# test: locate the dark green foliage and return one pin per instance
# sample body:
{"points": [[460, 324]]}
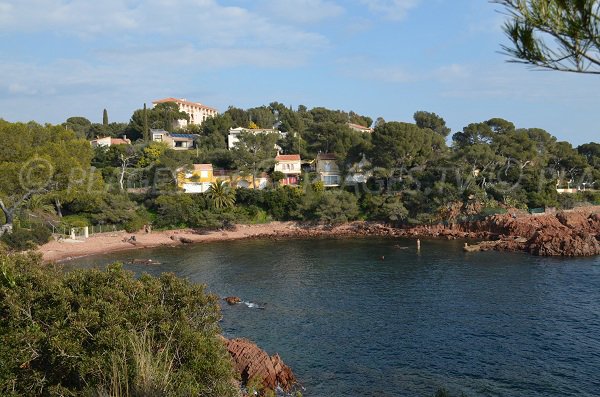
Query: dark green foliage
{"points": [[431, 121], [220, 195], [92, 332], [277, 176], [161, 116], [145, 126], [175, 210], [137, 222], [250, 197], [213, 132], [239, 117], [282, 203], [262, 116], [384, 208], [403, 145], [187, 210], [79, 125], [336, 206], [23, 239]]}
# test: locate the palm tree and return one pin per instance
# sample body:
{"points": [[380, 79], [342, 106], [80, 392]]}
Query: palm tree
{"points": [[221, 195]]}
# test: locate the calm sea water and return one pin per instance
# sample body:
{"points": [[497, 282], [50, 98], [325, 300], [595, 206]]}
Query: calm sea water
{"points": [[352, 324]]}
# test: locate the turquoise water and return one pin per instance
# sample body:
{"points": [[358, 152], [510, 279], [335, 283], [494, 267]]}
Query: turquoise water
{"points": [[352, 324]]}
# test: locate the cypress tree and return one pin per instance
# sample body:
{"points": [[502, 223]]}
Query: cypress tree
{"points": [[145, 131], [105, 118]]}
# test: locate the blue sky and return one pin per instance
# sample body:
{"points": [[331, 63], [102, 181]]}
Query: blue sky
{"points": [[388, 58]]}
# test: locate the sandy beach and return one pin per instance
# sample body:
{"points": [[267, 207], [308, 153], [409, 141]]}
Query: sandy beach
{"points": [[65, 249]]}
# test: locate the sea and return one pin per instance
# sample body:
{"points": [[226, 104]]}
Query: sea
{"points": [[377, 317]]}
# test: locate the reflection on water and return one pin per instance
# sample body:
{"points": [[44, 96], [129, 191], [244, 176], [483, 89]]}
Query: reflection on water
{"points": [[352, 324]]}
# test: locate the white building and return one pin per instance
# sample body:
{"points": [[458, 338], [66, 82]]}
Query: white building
{"points": [[198, 112], [234, 133], [360, 128], [109, 141]]}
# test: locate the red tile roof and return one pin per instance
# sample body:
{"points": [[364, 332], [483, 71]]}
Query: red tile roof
{"points": [[359, 127], [120, 141], [203, 167], [288, 157], [183, 102]]}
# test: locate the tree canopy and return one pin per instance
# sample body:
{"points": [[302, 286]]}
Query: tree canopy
{"points": [[554, 34], [38, 159]]}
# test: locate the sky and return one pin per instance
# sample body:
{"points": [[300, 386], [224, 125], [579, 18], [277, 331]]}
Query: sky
{"points": [[379, 58]]}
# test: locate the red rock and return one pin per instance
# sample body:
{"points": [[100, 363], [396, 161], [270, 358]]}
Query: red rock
{"points": [[232, 300], [251, 362]]}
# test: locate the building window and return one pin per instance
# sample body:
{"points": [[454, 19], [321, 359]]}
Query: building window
{"points": [[329, 180]]}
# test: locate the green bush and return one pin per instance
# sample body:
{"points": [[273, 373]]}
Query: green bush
{"points": [[141, 218], [70, 221], [23, 239], [94, 332], [337, 206], [175, 210]]}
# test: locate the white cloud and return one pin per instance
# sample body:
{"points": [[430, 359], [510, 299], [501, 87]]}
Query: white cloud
{"points": [[509, 81], [391, 9], [369, 69], [129, 43], [202, 22], [190, 59], [302, 11], [451, 73]]}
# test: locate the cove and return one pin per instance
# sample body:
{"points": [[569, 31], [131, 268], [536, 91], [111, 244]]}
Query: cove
{"points": [[352, 324]]}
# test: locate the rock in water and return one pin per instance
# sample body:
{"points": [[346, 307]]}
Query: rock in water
{"points": [[251, 362], [232, 300]]}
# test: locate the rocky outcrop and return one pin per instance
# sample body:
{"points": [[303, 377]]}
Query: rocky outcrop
{"points": [[573, 233], [568, 233], [252, 363], [232, 300], [548, 242]]}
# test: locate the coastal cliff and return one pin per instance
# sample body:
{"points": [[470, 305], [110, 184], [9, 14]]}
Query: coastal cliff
{"points": [[567, 233]]}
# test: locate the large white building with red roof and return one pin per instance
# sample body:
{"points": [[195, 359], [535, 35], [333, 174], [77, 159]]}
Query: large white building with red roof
{"points": [[198, 112]]}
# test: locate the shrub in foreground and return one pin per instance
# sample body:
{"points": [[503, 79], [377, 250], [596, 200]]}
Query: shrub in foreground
{"points": [[23, 239], [106, 333]]}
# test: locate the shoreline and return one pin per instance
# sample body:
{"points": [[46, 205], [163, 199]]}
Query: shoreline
{"points": [[575, 233], [65, 250], [105, 243]]}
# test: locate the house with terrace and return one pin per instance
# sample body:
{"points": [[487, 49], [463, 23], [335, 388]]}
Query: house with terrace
{"points": [[290, 165], [174, 140], [234, 133], [197, 179], [327, 169]]}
